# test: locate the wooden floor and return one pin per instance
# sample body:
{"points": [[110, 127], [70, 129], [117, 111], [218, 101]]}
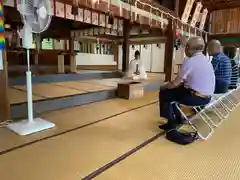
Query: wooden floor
{"points": [[122, 137], [42, 91]]}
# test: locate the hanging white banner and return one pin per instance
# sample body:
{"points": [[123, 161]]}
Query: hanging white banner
{"points": [[187, 10], [196, 14], [203, 19]]}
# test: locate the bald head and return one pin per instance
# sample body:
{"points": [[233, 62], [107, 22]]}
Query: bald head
{"points": [[214, 47], [194, 45]]}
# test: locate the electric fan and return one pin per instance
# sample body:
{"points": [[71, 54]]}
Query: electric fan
{"points": [[36, 15]]}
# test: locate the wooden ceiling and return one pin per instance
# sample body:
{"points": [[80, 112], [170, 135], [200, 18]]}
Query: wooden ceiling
{"points": [[58, 28], [212, 5]]}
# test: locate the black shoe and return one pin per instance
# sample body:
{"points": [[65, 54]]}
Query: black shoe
{"points": [[165, 127]]}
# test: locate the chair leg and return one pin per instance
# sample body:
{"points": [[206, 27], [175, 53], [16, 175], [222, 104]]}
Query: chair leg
{"points": [[234, 100], [205, 115], [232, 105], [201, 136], [225, 105], [218, 115]]}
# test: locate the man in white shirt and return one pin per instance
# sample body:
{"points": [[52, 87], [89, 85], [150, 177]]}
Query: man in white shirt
{"points": [[194, 85], [136, 70]]}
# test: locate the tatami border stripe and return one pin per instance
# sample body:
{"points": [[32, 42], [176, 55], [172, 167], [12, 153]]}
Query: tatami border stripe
{"points": [[121, 158], [74, 129]]}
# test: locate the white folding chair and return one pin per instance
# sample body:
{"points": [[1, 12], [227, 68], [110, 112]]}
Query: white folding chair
{"points": [[190, 121], [235, 96], [231, 97], [225, 100]]}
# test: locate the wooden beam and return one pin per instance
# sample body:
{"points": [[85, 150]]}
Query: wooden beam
{"points": [[220, 5], [225, 35], [125, 46], [168, 62]]}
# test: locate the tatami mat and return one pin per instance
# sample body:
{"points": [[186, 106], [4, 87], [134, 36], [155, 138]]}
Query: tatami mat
{"points": [[62, 89], [17, 96], [215, 159], [51, 91], [114, 82], [71, 118], [104, 82], [83, 86], [74, 155]]}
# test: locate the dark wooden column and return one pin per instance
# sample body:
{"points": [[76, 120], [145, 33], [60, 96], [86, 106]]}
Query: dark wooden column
{"points": [[115, 53], [125, 46], [70, 44], [205, 49], [4, 96], [177, 7], [168, 62]]}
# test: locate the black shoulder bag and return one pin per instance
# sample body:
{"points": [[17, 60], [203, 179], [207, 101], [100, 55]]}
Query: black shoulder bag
{"points": [[181, 138]]}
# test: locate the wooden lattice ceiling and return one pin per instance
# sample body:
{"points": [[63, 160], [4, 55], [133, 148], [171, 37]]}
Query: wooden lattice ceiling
{"points": [[220, 4]]}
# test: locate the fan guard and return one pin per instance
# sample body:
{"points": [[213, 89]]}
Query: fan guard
{"points": [[36, 13]]}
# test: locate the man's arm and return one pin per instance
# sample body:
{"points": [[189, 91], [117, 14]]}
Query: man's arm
{"points": [[215, 63], [175, 83], [184, 72]]}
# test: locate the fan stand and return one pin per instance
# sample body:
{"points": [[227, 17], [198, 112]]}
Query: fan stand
{"points": [[30, 125]]}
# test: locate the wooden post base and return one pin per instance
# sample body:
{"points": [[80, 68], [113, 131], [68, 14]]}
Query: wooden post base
{"points": [[61, 66], [73, 65]]}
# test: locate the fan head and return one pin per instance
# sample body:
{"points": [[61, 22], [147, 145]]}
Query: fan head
{"points": [[36, 13]]}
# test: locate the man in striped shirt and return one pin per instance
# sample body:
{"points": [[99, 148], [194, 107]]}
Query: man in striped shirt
{"points": [[231, 53], [222, 67]]}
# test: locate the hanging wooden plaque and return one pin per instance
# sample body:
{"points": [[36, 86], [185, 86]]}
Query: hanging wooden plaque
{"points": [[102, 20], [59, 9], [69, 12], [87, 16], [94, 18], [120, 25], [196, 14], [79, 17], [115, 24], [187, 11], [203, 19], [107, 23], [52, 8]]}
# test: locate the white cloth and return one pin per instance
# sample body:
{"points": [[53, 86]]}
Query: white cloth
{"points": [[132, 69]]}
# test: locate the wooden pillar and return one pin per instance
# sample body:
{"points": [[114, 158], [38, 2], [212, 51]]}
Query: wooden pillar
{"points": [[125, 46], [35, 58], [177, 7], [204, 38], [115, 53], [5, 111], [168, 62], [38, 46], [73, 65], [61, 63], [72, 54], [4, 96]]}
